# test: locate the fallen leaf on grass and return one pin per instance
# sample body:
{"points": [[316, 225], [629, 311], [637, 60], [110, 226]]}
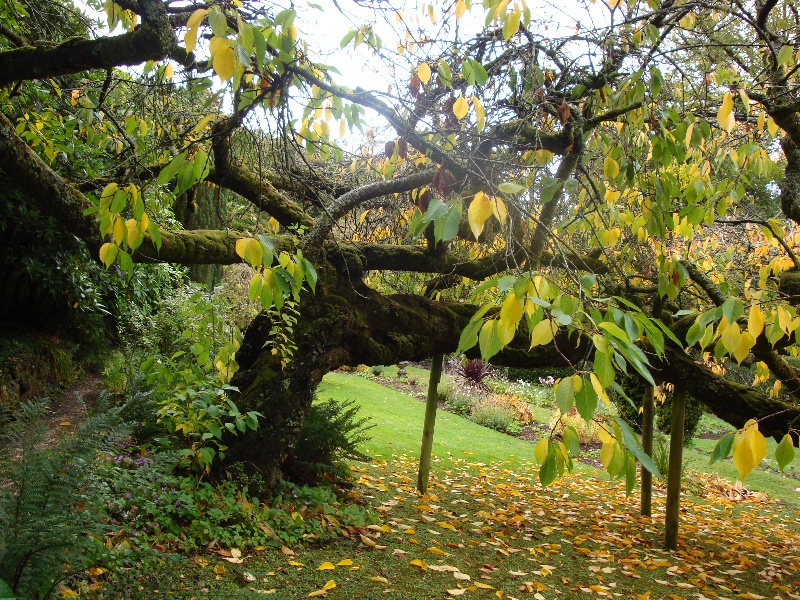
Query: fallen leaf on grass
{"points": [[64, 424], [345, 563], [324, 590], [287, 551], [378, 579], [326, 566], [219, 569], [457, 592], [419, 563], [294, 563], [443, 568], [461, 576], [482, 586]]}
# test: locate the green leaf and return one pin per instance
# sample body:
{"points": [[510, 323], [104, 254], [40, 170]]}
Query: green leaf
{"points": [[784, 453], [565, 394], [469, 336], [481, 76], [168, 173], [630, 475], [732, 309], [571, 440], [784, 55], [218, 22], [723, 448], [603, 368], [510, 187], [488, 340], [549, 469], [586, 401], [632, 443]]}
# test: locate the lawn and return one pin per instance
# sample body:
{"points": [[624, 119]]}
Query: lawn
{"points": [[488, 530]]}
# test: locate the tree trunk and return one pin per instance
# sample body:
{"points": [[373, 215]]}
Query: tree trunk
{"points": [[647, 445], [674, 471], [430, 423]]}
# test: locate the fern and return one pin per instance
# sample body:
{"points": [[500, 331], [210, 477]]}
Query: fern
{"points": [[46, 487], [331, 433]]}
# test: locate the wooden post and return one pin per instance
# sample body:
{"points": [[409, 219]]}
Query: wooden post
{"points": [[430, 422], [674, 471], [647, 446]]}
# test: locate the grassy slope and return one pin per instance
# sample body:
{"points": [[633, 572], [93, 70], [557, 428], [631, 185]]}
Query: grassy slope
{"points": [[398, 426]]}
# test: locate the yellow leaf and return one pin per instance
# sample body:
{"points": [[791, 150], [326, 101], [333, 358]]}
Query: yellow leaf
{"points": [[329, 585], [196, 18], [499, 210], [607, 454], [344, 563], [746, 342], [68, 593], [120, 231], [480, 113], [540, 450], [755, 321], [772, 126], [203, 122], [731, 337], [758, 444], [438, 551], [108, 252], [461, 7], [460, 108], [64, 424], [725, 116], [599, 389], [225, 62], [419, 563], [424, 72], [219, 569], [445, 525], [479, 210], [379, 579], [457, 592], [133, 232], [294, 563], [168, 72], [610, 168], [317, 593], [743, 458], [249, 249], [368, 541], [326, 566], [482, 586], [542, 333]]}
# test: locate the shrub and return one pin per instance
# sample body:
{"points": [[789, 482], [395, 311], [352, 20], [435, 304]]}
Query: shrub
{"points": [[520, 409], [587, 432], [331, 434], [474, 371], [376, 370], [694, 412], [458, 399], [495, 416]]}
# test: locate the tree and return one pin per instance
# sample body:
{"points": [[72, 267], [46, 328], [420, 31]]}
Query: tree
{"points": [[560, 194]]}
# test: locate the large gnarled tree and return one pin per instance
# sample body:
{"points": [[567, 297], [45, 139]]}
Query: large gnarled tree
{"points": [[556, 193]]}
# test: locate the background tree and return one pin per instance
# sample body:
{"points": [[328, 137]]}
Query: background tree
{"points": [[564, 194]]}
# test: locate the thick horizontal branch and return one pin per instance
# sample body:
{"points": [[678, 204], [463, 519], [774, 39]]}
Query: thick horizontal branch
{"points": [[154, 39], [389, 257]]}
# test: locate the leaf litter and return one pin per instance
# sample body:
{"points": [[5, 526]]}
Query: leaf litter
{"points": [[487, 530]]}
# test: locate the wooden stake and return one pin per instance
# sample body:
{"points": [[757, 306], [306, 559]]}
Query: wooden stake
{"points": [[430, 422]]}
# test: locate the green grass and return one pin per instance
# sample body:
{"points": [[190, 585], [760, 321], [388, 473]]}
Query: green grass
{"points": [[398, 426]]}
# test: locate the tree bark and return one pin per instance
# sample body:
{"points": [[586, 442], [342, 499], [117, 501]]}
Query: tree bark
{"points": [[672, 517], [429, 425], [648, 409]]}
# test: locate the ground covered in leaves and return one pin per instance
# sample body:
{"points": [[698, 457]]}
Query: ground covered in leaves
{"points": [[486, 531]]}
